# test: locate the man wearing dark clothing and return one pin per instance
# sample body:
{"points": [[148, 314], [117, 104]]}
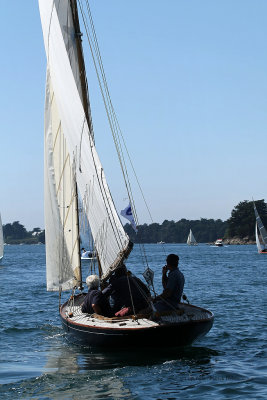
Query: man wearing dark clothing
{"points": [[119, 291], [173, 285], [95, 301]]}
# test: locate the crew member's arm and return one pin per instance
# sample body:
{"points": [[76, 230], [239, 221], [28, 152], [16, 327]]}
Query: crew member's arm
{"points": [[108, 290], [85, 305], [167, 292], [97, 302], [164, 277]]}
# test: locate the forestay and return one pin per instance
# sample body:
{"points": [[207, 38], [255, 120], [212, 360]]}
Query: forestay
{"points": [[71, 159]]}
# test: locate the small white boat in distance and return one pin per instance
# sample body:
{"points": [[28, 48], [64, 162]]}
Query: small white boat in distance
{"points": [[219, 243], [88, 255], [191, 241]]}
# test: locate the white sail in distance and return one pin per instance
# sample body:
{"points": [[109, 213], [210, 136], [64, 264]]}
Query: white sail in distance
{"points": [[72, 163], [262, 230], [258, 243], [1, 240], [191, 239]]}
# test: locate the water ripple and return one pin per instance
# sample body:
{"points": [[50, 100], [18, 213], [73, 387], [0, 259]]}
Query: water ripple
{"points": [[38, 361]]}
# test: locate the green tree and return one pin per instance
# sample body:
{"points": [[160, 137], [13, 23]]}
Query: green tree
{"points": [[15, 231], [41, 237], [242, 221], [176, 232]]}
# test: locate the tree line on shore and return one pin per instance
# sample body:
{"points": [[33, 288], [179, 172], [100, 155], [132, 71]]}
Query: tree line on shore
{"points": [[240, 225], [16, 233]]}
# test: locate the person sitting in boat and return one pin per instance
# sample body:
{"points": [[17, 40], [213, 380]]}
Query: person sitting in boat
{"points": [[173, 285], [125, 289], [95, 301], [86, 254]]}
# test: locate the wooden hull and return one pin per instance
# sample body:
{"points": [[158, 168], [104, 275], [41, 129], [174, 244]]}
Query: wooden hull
{"points": [[163, 335]]}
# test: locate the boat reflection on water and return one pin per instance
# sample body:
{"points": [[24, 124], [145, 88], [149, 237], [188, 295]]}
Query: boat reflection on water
{"points": [[71, 363], [73, 358], [91, 373], [148, 357]]}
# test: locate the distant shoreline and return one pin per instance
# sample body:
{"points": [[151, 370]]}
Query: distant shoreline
{"points": [[227, 242], [236, 240]]}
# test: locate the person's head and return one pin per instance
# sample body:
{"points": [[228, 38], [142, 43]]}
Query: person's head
{"points": [[172, 261], [83, 249], [92, 281]]}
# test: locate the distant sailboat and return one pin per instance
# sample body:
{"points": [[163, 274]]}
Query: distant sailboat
{"points": [[1, 241], [261, 240], [191, 241]]}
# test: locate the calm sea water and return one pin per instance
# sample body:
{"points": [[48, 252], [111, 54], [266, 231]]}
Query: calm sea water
{"points": [[38, 362]]}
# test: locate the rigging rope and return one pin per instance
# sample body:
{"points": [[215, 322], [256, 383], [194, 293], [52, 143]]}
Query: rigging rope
{"points": [[116, 131], [112, 118]]}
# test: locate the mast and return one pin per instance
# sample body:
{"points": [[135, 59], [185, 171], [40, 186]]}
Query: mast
{"points": [[84, 84], [78, 237], [83, 79]]}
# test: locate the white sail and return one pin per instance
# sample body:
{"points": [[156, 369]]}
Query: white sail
{"points": [[191, 239], [61, 222], [1, 240], [259, 246], [262, 230], [76, 159]]}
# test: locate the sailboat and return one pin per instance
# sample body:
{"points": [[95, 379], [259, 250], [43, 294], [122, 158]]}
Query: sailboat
{"points": [[191, 241], [1, 241], [74, 175], [261, 240]]}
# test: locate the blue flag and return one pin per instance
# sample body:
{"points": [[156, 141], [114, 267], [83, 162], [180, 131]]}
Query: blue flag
{"points": [[127, 213]]}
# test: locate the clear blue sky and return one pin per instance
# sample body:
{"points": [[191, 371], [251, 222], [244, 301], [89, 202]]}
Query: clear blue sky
{"points": [[188, 80]]}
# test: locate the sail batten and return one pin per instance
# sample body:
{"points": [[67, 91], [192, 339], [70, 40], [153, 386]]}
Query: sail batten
{"points": [[111, 241]]}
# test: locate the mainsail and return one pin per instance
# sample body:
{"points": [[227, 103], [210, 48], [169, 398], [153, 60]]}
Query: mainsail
{"points": [[262, 230], [1, 240], [72, 165], [191, 239]]}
